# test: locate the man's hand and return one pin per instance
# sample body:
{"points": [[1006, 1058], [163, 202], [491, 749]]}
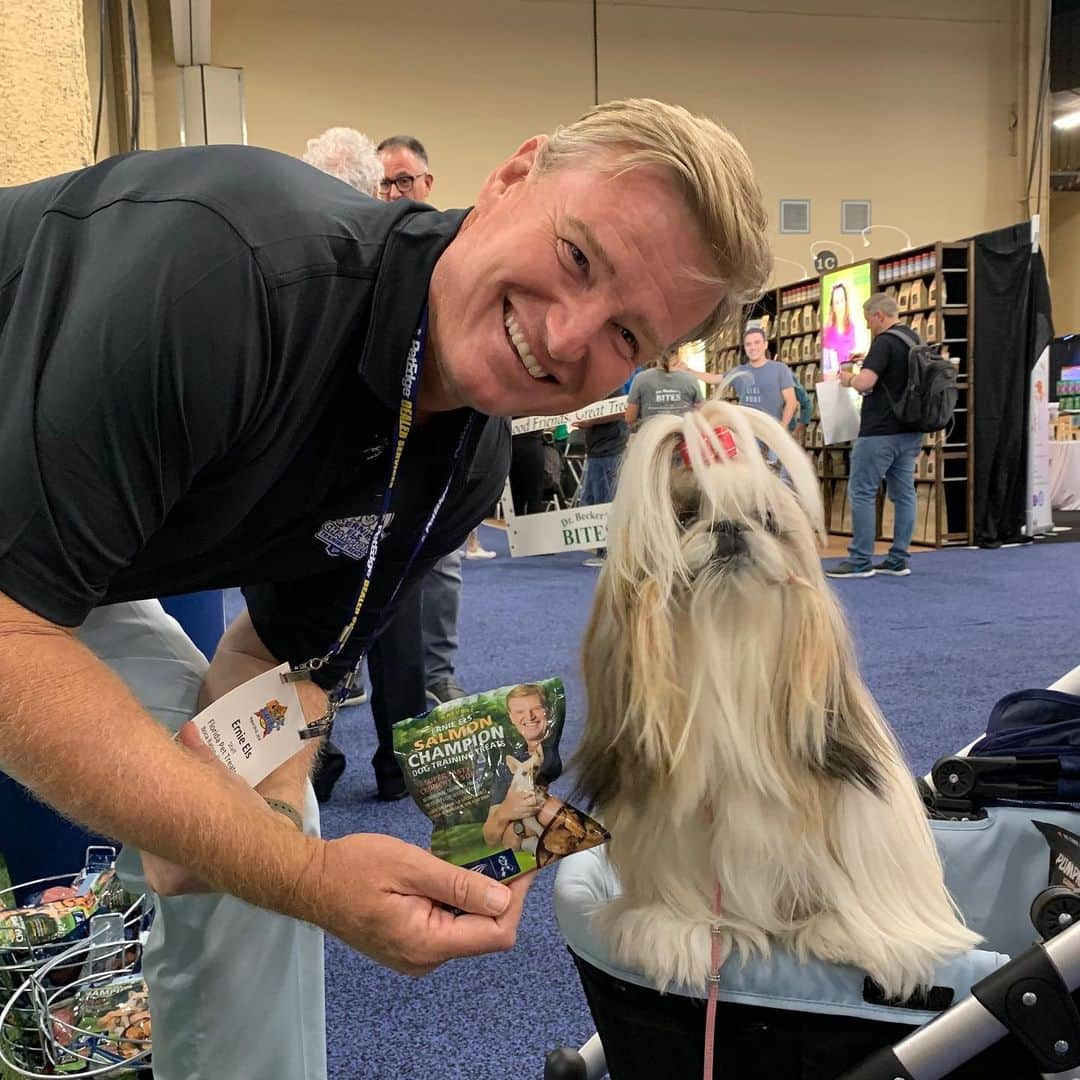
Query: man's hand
{"points": [[520, 804], [385, 898], [166, 878]]}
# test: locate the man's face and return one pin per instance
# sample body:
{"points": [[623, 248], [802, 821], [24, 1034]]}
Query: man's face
{"points": [[400, 161], [559, 286], [874, 321], [528, 715], [754, 344]]}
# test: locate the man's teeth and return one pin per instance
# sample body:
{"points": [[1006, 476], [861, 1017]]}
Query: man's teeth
{"points": [[522, 346]]}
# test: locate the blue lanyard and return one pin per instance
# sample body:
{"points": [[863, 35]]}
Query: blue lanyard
{"points": [[410, 392]]}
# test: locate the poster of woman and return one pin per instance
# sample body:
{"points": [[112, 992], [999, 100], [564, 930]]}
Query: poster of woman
{"points": [[843, 327]]}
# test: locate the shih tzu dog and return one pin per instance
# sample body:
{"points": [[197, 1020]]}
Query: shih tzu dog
{"points": [[747, 777]]}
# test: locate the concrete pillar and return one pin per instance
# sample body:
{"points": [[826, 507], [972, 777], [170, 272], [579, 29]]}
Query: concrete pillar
{"points": [[45, 120]]}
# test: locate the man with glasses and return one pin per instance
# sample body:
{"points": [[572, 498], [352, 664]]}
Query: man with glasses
{"points": [[405, 169]]}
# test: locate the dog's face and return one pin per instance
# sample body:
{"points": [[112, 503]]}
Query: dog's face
{"points": [[737, 526], [714, 640], [523, 772]]}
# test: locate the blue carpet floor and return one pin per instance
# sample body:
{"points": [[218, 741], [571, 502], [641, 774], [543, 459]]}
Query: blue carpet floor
{"points": [[937, 649]]}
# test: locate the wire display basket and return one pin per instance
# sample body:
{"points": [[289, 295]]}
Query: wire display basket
{"points": [[76, 1006]]}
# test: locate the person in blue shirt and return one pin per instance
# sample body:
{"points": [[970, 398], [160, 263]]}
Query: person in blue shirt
{"points": [[764, 384]]}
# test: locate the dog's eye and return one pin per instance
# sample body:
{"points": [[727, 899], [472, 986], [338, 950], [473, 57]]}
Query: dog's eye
{"points": [[686, 516], [769, 524]]}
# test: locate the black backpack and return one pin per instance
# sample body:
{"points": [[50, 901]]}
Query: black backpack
{"points": [[929, 399]]}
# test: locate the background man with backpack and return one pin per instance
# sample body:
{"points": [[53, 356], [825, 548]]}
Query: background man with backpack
{"points": [[887, 447]]}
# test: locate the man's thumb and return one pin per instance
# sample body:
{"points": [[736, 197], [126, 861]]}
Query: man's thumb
{"points": [[464, 889]]}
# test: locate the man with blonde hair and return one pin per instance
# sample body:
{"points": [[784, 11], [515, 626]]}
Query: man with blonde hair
{"points": [[886, 448], [222, 367]]}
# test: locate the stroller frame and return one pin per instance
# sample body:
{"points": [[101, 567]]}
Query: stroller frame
{"points": [[1028, 997]]}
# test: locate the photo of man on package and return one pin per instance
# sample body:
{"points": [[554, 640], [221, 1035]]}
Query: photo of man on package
{"points": [[479, 767], [520, 807]]}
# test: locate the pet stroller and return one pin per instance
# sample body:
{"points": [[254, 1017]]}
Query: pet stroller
{"points": [[1005, 813]]}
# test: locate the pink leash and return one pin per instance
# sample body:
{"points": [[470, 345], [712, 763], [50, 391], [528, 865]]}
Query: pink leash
{"points": [[714, 982]]}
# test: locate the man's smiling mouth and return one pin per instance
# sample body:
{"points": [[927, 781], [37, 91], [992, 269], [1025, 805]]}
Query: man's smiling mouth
{"points": [[516, 336]]}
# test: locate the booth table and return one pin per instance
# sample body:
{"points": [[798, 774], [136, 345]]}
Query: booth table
{"points": [[1065, 475]]}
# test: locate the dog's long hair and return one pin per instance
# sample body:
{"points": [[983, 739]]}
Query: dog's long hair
{"points": [[730, 741]]}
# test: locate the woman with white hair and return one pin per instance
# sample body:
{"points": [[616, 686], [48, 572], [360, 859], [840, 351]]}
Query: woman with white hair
{"points": [[349, 155]]}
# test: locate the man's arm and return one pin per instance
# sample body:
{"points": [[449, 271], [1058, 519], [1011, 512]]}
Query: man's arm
{"points": [[241, 656], [864, 381], [516, 805], [711, 377], [633, 410], [122, 774], [72, 732], [791, 403]]}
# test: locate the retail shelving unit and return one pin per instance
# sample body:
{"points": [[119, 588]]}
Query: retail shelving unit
{"points": [[933, 287]]}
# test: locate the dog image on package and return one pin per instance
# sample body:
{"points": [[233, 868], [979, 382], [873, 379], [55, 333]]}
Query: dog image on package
{"points": [[744, 770]]}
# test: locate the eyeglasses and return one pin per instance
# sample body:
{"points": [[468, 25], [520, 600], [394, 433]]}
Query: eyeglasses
{"points": [[403, 182]]}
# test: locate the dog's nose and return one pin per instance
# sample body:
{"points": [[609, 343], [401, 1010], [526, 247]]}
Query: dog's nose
{"points": [[728, 540]]}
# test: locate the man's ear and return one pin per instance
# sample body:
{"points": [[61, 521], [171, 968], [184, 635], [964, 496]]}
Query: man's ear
{"points": [[513, 170]]}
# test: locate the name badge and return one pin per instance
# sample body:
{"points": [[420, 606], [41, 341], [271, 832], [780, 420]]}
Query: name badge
{"points": [[257, 726]]}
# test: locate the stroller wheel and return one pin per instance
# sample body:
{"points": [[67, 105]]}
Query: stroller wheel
{"points": [[954, 777], [1055, 909]]}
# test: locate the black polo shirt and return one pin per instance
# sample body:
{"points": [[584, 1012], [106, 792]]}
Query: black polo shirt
{"points": [[201, 360]]}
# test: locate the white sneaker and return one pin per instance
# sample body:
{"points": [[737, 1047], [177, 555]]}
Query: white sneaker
{"points": [[593, 562], [479, 553]]}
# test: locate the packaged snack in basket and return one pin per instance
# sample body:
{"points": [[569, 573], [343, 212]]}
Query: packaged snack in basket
{"points": [[59, 920], [479, 767], [104, 1024], [6, 899]]}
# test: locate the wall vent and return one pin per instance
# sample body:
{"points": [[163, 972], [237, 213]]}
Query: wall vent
{"points": [[794, 215], [854, 215]]}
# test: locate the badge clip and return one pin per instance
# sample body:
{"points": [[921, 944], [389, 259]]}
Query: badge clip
{"points": [[317, 728], [302, 674]]}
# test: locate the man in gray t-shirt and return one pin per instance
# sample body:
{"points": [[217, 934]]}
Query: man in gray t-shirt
{"points": [[664, 389], [764, 384]]}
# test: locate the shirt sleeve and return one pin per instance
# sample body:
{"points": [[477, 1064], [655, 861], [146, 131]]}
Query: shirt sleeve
{"points": [[787, 382], [120, 386], [634, 396], [877, 359]]}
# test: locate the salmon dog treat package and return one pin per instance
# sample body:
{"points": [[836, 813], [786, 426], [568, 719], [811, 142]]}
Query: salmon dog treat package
{"points": [[480, 767]]}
